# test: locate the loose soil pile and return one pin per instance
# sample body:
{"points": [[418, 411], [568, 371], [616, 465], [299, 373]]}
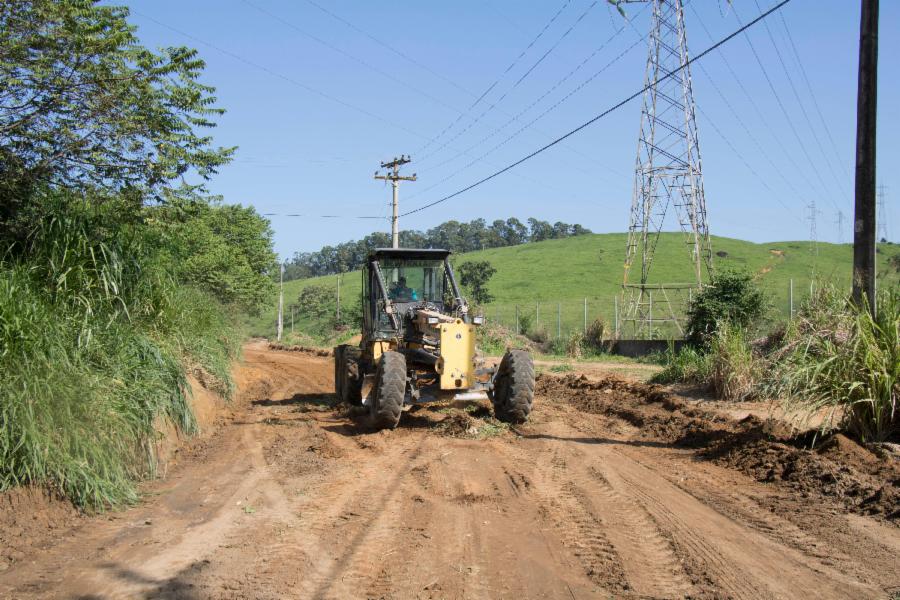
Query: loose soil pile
{"points": [[833, 466]]}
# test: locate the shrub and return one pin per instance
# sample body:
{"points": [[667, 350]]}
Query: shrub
{"points": [[732, 300], [538, 335], [593, 338]]}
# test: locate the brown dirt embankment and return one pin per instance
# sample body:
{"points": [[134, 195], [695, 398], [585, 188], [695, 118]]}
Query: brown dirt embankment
{"points": [[865, 480]]}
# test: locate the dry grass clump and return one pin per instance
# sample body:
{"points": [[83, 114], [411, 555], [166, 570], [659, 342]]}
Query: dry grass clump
{"points": [[733, 369]]}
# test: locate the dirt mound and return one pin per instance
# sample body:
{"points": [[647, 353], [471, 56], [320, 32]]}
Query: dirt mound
{"points": [[769, 451], [305, 349]]}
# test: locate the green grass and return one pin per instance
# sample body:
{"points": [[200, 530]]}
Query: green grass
{"points": [[562, 273], [95, 342]]}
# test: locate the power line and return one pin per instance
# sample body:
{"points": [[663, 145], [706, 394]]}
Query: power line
{"points": [[309, 89], [800, 104], [812, 95], [389, 47], [549, 91], [759, 113], [501, 76], [281, 76], [308, 216], [525, 126], [746, 163], [528, 72], [353, 57], [784, 110], [606, 112], [469, 92]]}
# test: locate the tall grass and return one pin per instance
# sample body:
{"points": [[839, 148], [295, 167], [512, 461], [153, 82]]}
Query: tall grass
{"points": [[838, 358], [734, 370], [687, 365], [94, 341]]}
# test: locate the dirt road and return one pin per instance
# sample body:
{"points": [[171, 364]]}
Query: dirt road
{"points": [[605, 494]]}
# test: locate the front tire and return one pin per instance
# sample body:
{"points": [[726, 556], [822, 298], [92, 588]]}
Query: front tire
{"points": [[386, 404], [513, 393]]}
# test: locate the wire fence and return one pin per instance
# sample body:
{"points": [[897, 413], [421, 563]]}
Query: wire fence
{"points": [[559, 319]]}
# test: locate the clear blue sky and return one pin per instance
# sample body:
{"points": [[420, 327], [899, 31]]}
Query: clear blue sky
{"points": [[315, 105]]}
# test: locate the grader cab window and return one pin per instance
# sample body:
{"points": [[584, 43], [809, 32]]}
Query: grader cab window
{"points": [[414, 280]]}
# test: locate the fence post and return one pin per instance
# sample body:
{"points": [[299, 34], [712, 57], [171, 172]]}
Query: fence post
{"points": [[517, 319], [585, 316], [650, 314], [559, 320], [791, 297], [616, 314]]}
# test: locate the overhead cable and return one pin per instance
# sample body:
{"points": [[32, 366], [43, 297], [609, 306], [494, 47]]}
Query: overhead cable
{"points": [[603, 114], [499, 77]]}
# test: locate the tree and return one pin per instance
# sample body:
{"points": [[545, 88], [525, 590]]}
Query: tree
{"points": [[317, 302], [732, 299], [474, 275], [224, 249], [84, 106]]}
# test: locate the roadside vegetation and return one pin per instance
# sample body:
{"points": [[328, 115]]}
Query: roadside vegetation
{"points": [[833, 358], [118, 280]]}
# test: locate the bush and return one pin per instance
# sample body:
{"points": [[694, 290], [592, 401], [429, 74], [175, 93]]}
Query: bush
{"points": [[538, 335], [732, 300], [838, 358], [594, 337]]}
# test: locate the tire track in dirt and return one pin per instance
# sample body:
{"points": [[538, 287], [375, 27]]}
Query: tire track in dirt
{"points": [[639, 542], [581, 530]]}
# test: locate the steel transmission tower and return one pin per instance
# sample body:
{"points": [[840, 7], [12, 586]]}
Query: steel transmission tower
{"points": [[668, 179]]}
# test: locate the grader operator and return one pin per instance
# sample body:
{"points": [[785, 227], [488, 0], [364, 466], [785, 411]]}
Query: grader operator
{"points": [[418, 344]]}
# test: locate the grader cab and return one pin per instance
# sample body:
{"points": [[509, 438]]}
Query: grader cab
{"points": [[418, 344]]}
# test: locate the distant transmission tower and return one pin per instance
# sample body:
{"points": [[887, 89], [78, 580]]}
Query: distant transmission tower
{"points": [[839, 221], [668, 178], [881, 216], [813, 230]]}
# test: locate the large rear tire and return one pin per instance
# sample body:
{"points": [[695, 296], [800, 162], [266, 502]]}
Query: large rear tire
{"points": [[352, 388], [347, 380], [513, 393], [339, 369], [386, 404]]}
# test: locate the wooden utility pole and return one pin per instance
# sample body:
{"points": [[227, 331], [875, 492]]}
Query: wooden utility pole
{"points": [[393, 175], [864, 226], [279, 328]]}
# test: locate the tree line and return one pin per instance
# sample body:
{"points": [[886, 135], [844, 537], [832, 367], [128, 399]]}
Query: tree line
{"points": [[452, 235]]}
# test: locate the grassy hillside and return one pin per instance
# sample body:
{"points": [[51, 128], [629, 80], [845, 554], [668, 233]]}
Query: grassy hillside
{"points": [[561, 274]]}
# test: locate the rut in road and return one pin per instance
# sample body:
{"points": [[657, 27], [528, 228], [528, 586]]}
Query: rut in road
{"points": [[292, 498]]}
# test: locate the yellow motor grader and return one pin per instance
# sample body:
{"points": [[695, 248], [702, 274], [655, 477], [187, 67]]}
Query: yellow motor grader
{"points": [[418, 344]]}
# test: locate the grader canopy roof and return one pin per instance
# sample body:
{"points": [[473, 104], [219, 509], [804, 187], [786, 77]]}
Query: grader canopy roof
{"points": [[409, 253]]}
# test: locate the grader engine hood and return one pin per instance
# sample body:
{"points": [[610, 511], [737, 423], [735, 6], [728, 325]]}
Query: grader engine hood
{"points": [[456, 364]]}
